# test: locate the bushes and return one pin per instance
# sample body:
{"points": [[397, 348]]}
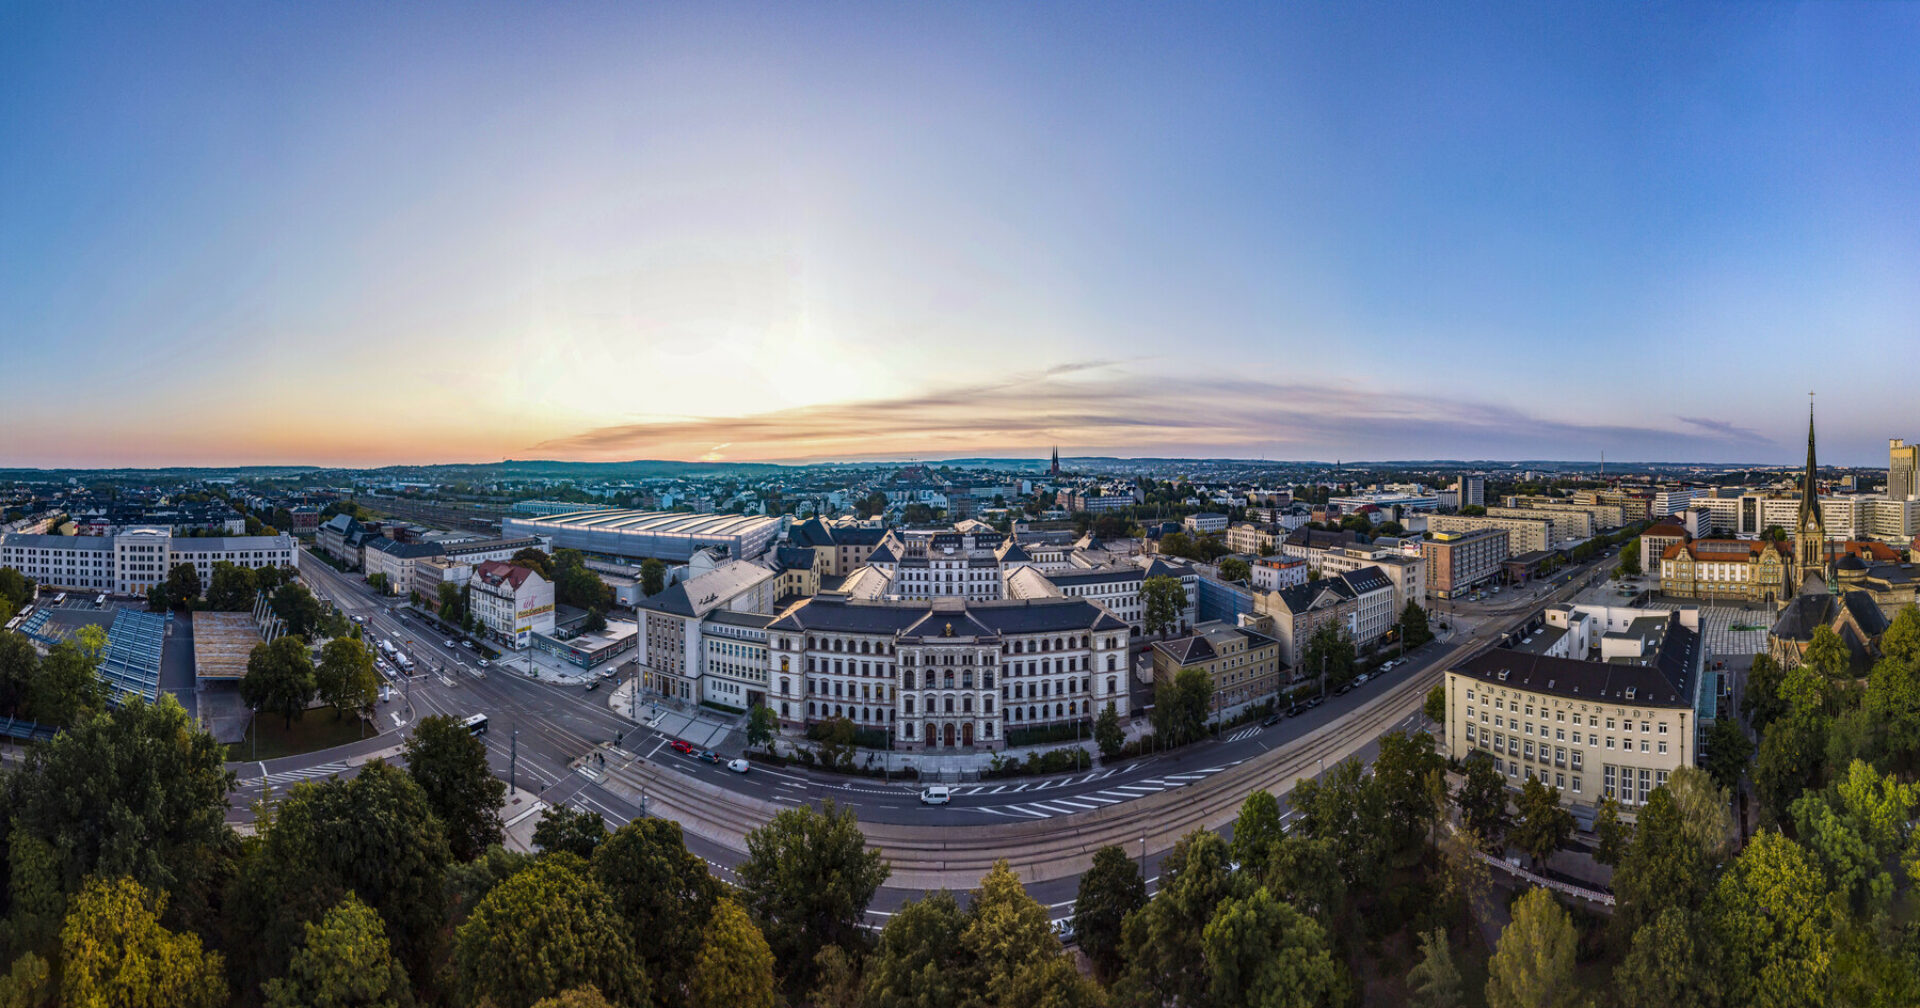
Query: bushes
{"points": [[1071, 731], [1052, 761]]}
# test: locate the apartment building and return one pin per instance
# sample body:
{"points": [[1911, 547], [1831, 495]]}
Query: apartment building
{"points": [[947, 673], [1115, 587], [1408, 573], [1524, 535], [671, 642], [1903, 468], [1458, 562], [1567, 525], [513, 603], [1611, 723], [1275, 573], [395, 560], [1243, 665], [1471, 489], [1205, 521], [1254, 540], [1360, 602], [844, 546]]}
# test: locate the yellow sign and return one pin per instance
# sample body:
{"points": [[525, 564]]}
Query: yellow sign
{"points": [[535, 611]]}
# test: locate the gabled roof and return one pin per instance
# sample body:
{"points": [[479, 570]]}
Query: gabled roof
{"points": [[497, 572]]}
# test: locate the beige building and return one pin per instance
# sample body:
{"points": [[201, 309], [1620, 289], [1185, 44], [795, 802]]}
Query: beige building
{"points": [[1408, 573], [1567, 524], [1254, 540], [1604, 516], [1360, 602], [1243, 666], [1726, 569], [1457, 562], [1592, 728], [1524, 535]]}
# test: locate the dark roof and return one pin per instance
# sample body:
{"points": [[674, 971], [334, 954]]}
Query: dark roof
{"points": [[1186, 650], [839, 614], [1013, 552], [1851, 562], [882, 554], [744, 619], [672, 600], [405, 551], [1366, 579], [793, 557], [1665, 682]]}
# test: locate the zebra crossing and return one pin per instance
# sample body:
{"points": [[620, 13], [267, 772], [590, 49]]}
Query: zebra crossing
{"points": [[985, 789], [295, 776], [1047, 808], [1246, 733]]}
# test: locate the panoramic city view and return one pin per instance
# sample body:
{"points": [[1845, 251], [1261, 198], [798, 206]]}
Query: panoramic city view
{"points": [[855, 505]]}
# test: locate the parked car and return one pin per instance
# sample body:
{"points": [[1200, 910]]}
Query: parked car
{"points": [[1316, 701], [1342, 689], [737, 765], [1298, 709], [483, 663], [680, 746], [1361, 679], [937, 794], [1270, 720], [450, 644], [709, 756]]}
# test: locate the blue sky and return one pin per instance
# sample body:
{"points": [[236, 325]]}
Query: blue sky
{"points": [[359, 233]]}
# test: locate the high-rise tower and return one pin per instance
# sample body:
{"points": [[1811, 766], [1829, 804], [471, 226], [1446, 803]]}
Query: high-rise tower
{"points": [[1903, 464], [1810, 529]]}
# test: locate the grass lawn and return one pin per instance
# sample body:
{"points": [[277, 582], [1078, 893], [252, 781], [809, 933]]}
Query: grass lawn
{"points": [[317, 730]]}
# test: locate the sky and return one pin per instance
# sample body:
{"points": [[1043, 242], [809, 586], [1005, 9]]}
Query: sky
{"points": [[363, 234]]}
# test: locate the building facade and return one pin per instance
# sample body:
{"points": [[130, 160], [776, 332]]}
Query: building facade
{"points": [[948, 673], [1524, 535], [1749, 571], [1458, 562], [1359, 602], [1903, 466], [130, 561], [513, 603], [1243, 665]]}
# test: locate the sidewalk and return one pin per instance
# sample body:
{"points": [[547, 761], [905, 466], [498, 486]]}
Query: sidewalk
{"points": [[702, 726]]}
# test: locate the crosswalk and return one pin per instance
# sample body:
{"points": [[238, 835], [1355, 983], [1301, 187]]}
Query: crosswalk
{"points": [[295, 776], [1245, 733], [1047, 808], [985, 789]]}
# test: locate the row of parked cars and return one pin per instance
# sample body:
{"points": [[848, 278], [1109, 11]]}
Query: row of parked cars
{"points": [[707, 756]]}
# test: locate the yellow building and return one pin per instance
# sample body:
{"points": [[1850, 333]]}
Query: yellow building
{"points": [[1243, 665], [1726, 569]]}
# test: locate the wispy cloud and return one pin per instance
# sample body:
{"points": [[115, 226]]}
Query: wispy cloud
{"points": [[1102, 407]]}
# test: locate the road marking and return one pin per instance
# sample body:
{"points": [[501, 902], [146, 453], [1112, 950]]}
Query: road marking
{"points": [[1073, 802], [1103, 801], [1133, 787]]}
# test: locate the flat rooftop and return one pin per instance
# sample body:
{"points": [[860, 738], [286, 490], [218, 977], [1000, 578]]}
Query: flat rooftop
{"points": [[222, 643]]}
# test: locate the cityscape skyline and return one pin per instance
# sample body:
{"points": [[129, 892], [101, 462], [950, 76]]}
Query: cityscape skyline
{"points": [[412, 236]]}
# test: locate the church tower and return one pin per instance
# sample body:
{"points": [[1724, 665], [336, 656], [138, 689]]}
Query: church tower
{"points": [[1055, 470], [1810, 530]]}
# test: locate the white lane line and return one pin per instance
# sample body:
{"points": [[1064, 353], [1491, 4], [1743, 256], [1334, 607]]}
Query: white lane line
{"points": [[997, 790], [1133, 787], [1073, 802], [1103, 801], [1025, 810]]}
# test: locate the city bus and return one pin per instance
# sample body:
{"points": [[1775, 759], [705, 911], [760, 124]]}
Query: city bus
{"points": [[476, 725]]}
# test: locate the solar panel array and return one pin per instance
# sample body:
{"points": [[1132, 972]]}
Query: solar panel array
{"points": [[132, 662]]}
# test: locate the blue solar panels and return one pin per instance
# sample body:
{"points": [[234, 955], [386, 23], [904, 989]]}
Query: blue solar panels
{"points": [[132, 661], [36, 628]]}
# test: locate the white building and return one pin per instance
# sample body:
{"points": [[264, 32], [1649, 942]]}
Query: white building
{"points": [[1275, 573], [915, 565], [395, 561], [513, 603], [1115, 588], [1206, 521], [135, 559], [672, 642]]}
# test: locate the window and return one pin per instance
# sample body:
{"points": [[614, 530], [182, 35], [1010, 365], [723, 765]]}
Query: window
{"points": [[1663, 727], [1663, 746], [1576, 785]]}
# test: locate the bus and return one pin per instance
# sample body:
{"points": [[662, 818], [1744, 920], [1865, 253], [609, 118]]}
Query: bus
{"points": [[60, 600], [100, 602], [476, 725]]}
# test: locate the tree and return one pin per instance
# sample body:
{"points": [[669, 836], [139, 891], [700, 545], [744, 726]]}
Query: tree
{"points": [[1255, 831], [1773, 926], [762, 727], [918, 962], [137, 792], [547, 929], [1164, 601], [1900, 642], [449, 596], [115, 954], [1434, 981], [1483, 799], [1305, 872], [1728, 752], [469, 882], [663, 892], [807, 880], [1330, 654], [66, 689], [1109, 891], [1107, 733], [15, 592], [1180, 707], [1532, 967], [372, 835], [1669, 963], [450, 765], [280, 678], [157, 598], [595, 622], [588, 996], [345, 677], [839, 985], [1762, 702], [19, 669], [653, 577], [735, 967], [296, 605], [1543, 824], [837, 737], [183, 586], [1415, 629], [1704, 811], [232, 588], [1233, 569], [1663, 867], [1630, 558], [533, 558], [1007, 936], [1435, 706], [1613, 834], [576, 831], [1260, 951], [345, 962], [1162, 947]]}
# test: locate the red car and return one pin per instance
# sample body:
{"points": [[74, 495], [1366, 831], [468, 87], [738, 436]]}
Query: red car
{"points": [[679, 746]]}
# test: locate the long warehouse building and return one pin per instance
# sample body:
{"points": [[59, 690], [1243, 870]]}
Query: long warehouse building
{"points": [[661, 535]]}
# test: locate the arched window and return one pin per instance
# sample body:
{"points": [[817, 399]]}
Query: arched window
{"points": [[1113, 663], [1059, 711]]}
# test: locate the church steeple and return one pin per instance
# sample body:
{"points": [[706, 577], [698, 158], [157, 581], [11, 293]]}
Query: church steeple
{"points": [[1810, 531]]}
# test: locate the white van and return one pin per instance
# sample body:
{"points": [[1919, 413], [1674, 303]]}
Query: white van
{"points": [[936, 794]]}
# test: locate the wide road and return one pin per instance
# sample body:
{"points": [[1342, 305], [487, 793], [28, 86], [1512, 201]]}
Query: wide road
{"points": [[564, 732]]}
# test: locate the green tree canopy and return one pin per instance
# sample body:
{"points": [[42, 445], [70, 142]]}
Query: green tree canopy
{"points": [[183, 585], [1330, 652], [115, 954], [344, 962], [1162, 943], [1255, 832], [576, 831], [280, 678], [1543, 824], [345, 677], [138, 792], [734, 968], [807, 880], [663, 892], [1180, 707], [1109, 891], [1664, 866], [1434, 981], [918, 962], [66, 687], [548, 929], [1260, 951], [1233, 569], [1415, 629], [1533, 965], [450, 765], [296, 605], [653, 577], [1773, 926], [1669, 963], [535, 559], [1164, 601], [232, 588]]}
